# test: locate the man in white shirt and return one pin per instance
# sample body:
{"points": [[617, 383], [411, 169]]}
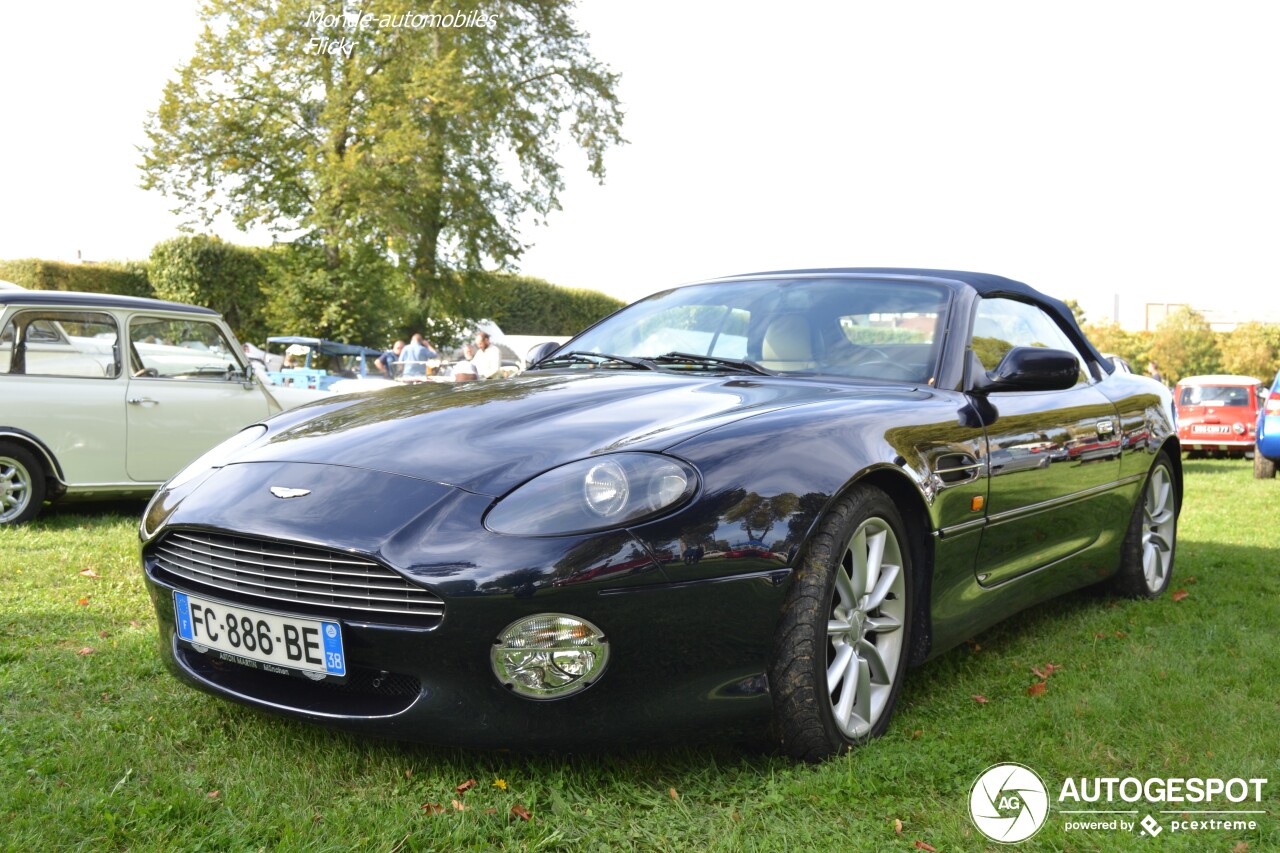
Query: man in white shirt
{"points": [[488, 360]]}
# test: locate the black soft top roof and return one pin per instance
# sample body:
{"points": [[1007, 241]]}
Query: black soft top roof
{"points": [[67, 298], [324, 346], [985, 284]]}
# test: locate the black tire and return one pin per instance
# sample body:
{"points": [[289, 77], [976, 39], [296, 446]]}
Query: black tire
{"points": [[816, 716], [1147, 555], [1263, 468], [22, 484]]}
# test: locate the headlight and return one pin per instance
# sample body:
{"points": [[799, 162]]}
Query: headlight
{"points": [[594, 494], [549, 656], [218, 456]]}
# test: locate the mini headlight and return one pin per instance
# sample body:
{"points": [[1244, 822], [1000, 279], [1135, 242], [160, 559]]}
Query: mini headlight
{"points": [[220, 455], [594, 494], [549, 656]]}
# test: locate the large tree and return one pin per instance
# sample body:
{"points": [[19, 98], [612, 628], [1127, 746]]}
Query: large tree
{"points": [[426, 131], [1184, 345], [1252, 349]]}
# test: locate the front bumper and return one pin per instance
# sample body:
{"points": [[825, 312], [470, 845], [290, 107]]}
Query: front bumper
{"points": [[687, 659]]}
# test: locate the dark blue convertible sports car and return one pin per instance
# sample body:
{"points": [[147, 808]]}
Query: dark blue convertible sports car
{"points": [[738, 507]]}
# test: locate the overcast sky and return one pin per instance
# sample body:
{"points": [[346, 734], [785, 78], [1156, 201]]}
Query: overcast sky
{"points": [[1094, 150]]}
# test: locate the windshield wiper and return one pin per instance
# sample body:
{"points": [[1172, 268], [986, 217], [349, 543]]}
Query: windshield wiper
{"points": [[715, 361], [596, 358]]}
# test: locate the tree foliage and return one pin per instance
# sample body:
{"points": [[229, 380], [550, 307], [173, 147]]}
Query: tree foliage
{"points": [[1184, 345], [1252, 349], [359, 302], [424, 144], [1110, 338]]}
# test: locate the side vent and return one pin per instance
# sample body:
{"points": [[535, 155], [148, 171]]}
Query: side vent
{"points": [[954, 469]]}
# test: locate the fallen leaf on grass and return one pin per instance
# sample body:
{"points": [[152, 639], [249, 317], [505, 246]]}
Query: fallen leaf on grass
{"points": [[521, 812], [133, 623], [213, 795], [920, 845], [433, 808], [980, 699], [897, 826], [90, 573], [673, 794], [84, 602], [466, 786], [1241, 847], [1038, 688], [408, 774], [491, 811], [458, 807], [87, 650], [1180, 594], [1043, 674], [1121, 634], [1099, 636], [104, 634]]}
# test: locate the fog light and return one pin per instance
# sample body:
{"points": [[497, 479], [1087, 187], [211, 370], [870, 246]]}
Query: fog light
{"points": [[549, 656]]}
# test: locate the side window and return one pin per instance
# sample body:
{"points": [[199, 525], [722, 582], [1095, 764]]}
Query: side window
{"points": [[1002, 324], [181, 349], [44, 342]]}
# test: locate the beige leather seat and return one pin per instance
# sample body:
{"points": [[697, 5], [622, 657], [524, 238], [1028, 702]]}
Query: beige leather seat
{"points": [[788, 344]]}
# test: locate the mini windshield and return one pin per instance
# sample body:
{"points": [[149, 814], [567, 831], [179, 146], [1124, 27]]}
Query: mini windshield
{"points": [[835, 327], [1214, 395]]}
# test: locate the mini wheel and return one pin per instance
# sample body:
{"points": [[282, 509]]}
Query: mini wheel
{"points": [[22, 484]]}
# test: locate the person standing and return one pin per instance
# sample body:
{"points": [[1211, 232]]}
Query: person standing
{"points": [[415, 355], [389, 358], [488, 360]]}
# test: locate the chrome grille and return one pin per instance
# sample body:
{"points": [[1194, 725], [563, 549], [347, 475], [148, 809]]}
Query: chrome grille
{"points": [[279, 572]]}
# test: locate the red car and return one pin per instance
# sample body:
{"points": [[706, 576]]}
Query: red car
{"points": [[1218, 414]]}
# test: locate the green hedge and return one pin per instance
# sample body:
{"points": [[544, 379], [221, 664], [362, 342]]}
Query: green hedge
{"points": [[531, 306], [127, 278], [202, 270]]}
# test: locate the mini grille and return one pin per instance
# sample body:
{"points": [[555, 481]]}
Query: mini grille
{"points": [[277, 572]]}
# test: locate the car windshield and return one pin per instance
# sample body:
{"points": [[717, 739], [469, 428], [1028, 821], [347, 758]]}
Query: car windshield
{"points": [[1214, 395], [858, 328]]}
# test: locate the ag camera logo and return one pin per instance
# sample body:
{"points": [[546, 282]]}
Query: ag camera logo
{"points": [[1008, 803]]}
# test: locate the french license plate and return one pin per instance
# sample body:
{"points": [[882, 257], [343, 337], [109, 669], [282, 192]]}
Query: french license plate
{"points": [[272, 641], [1214, 428]]}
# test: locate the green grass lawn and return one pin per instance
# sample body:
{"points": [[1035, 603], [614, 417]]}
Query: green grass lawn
{"points": [[102, 749]]}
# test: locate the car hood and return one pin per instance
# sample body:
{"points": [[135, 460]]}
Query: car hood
{"points": [[488, 437]]}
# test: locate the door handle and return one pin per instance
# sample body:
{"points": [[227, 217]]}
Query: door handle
{"points": [[143, 401]]}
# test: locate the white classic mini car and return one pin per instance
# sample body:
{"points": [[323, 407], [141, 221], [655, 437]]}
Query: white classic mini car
{"points": [[108, 396]]}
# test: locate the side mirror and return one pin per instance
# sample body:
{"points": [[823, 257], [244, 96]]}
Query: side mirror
{"points": [[539, 352], [1030, 369]]}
